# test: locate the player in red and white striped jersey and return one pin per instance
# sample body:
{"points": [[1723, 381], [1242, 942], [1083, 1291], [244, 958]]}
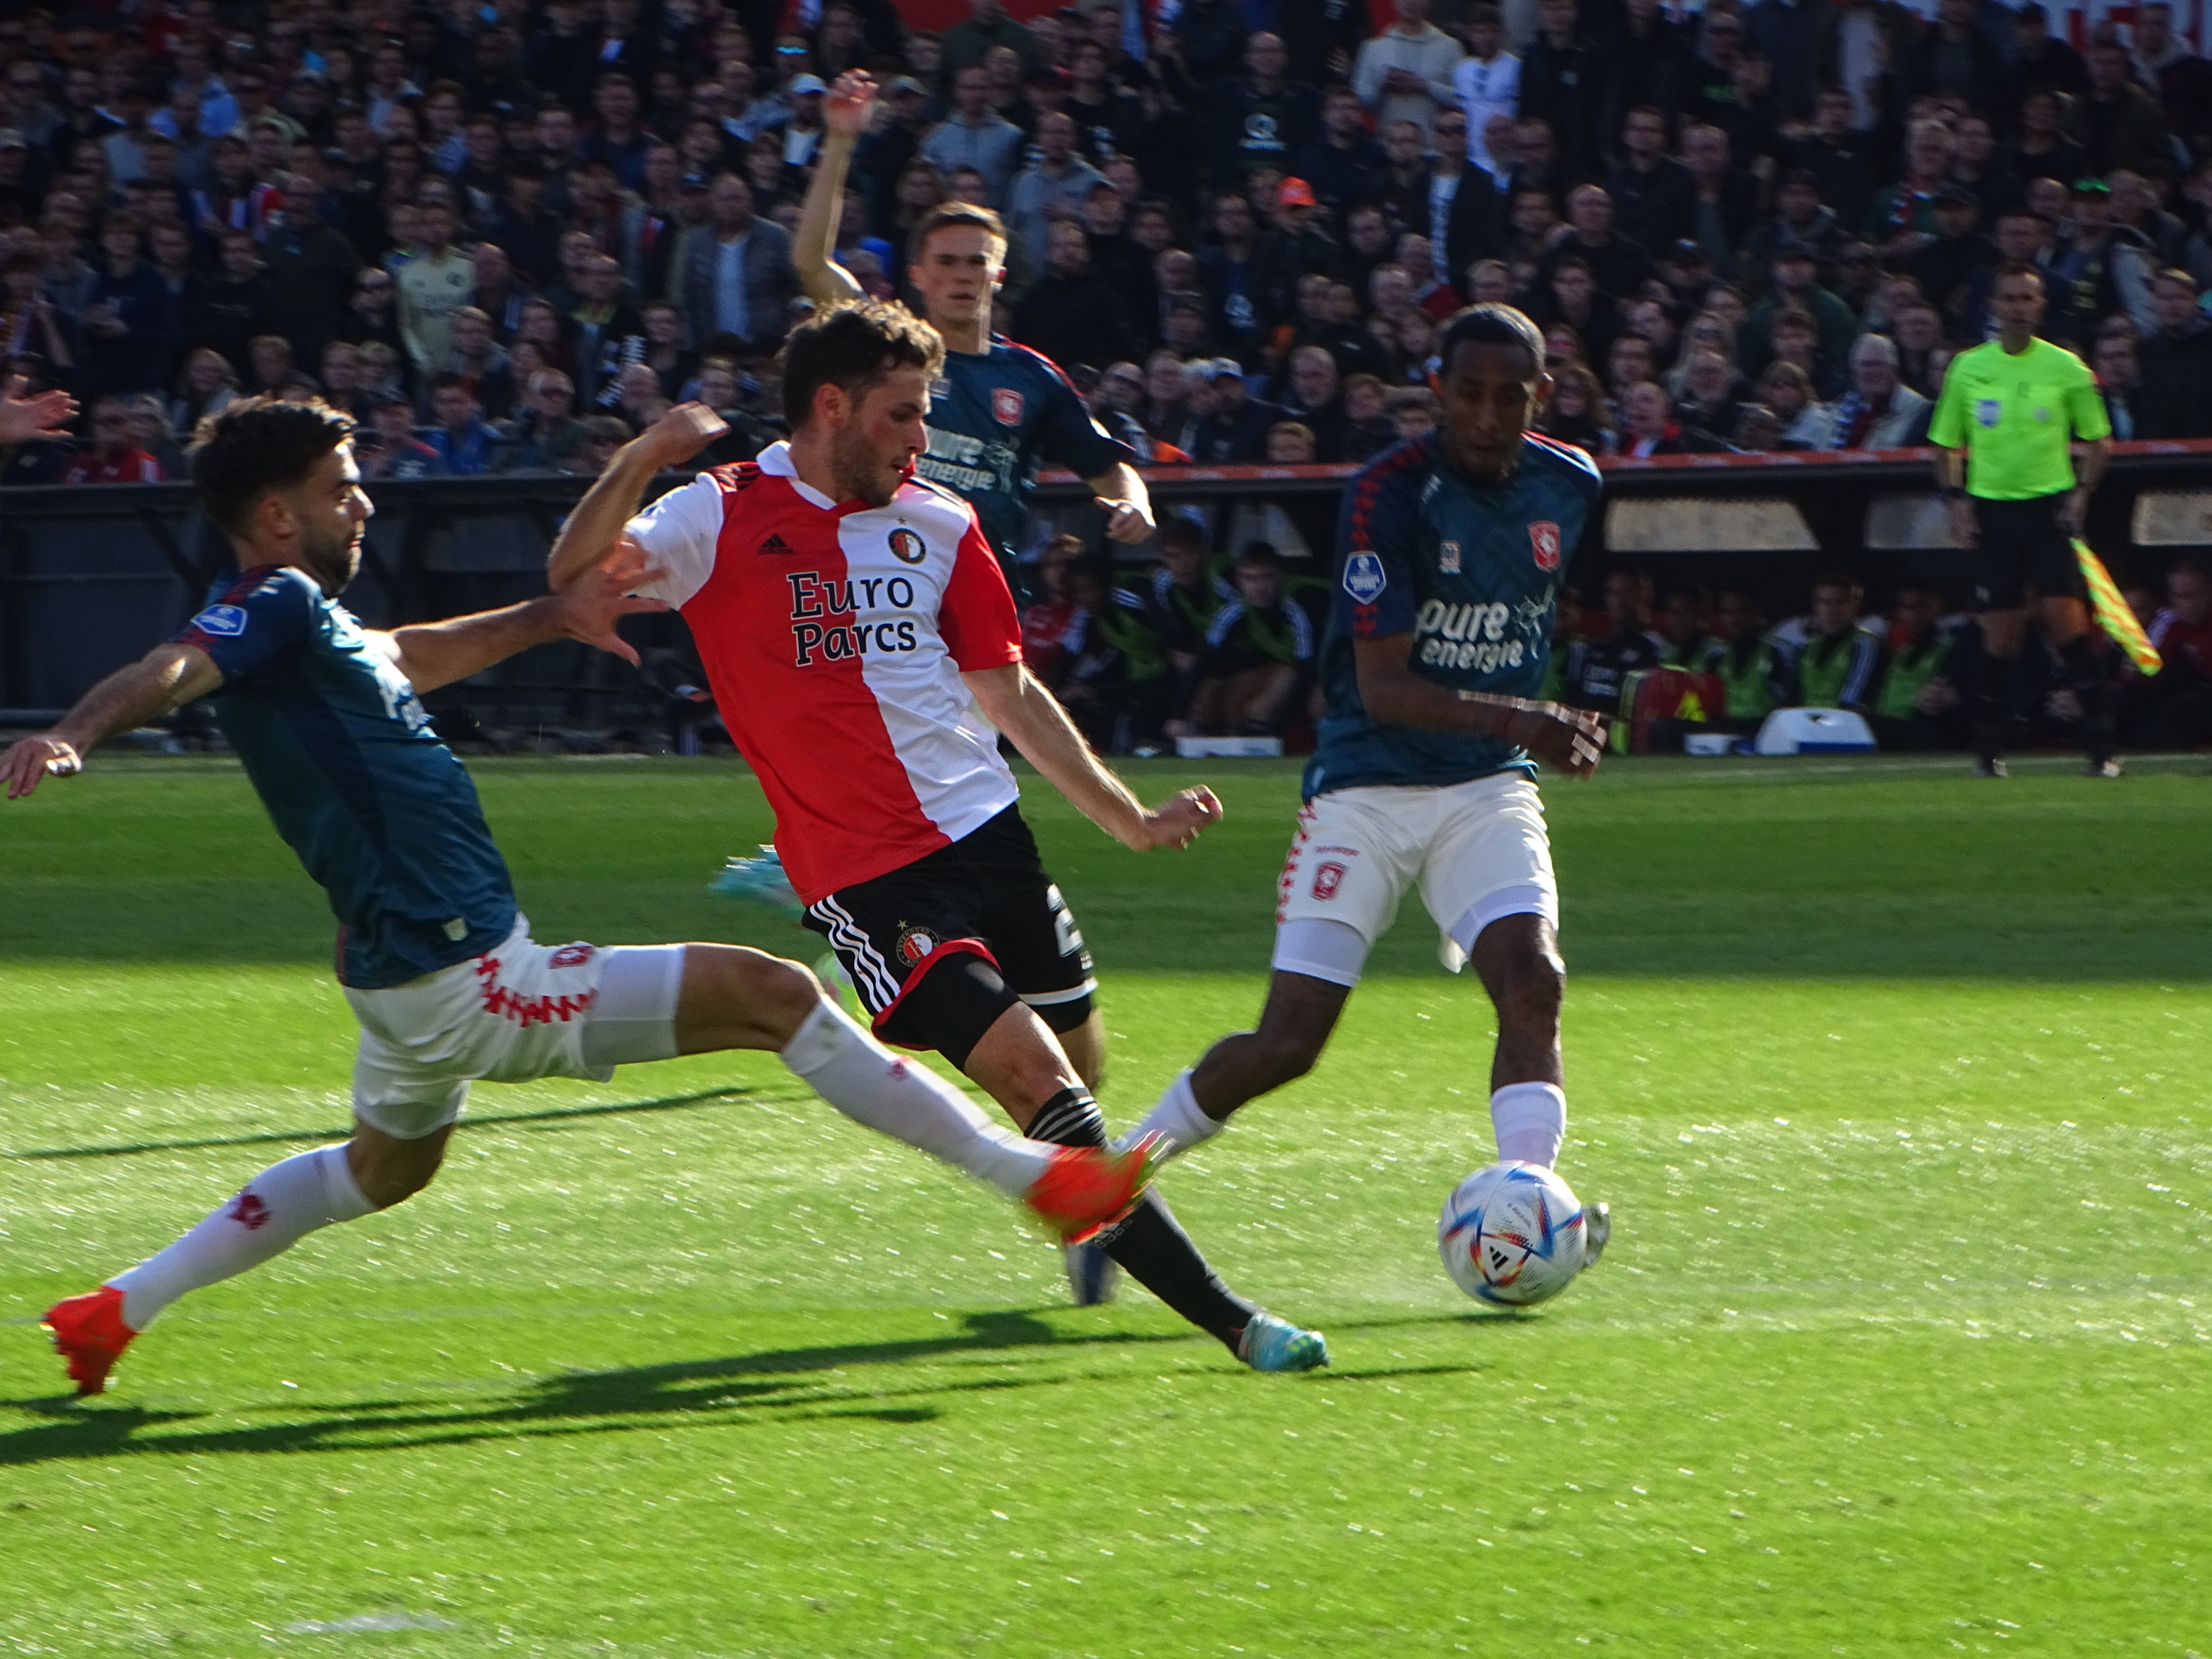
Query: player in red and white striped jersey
{"points": [[849, 616]]}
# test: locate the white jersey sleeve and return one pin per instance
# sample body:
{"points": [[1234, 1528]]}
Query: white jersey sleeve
{"points": [[680, 533]]}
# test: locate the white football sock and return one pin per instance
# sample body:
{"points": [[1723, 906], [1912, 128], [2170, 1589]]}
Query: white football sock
{"points": [[273, 1212], [1179, 1116], [907, 1100], [1530, 1121]]}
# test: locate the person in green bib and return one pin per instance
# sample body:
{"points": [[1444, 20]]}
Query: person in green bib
{"points": [[2005, 424]]}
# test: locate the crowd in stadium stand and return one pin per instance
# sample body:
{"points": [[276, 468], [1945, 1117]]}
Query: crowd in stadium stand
{"points": [[505, 234]]}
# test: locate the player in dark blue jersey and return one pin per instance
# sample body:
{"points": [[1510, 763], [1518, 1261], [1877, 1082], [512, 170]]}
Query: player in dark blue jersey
{"points": [[439, 965], [1450, 551], [1002, 410]]}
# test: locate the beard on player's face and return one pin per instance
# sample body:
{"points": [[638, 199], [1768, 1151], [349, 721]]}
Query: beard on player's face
{"points": [[865, 467]]}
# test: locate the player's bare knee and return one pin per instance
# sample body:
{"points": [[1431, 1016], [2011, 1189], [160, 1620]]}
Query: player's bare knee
{"points": [[782, 991], [749, 990], [390, 1172]]}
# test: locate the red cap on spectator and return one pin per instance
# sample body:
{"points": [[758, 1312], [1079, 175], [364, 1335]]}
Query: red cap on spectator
{"points": [[1295, 193]]}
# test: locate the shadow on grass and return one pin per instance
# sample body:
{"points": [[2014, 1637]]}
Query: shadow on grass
{"points": [[780, 1385], [777, 1386], [556, 1114]]}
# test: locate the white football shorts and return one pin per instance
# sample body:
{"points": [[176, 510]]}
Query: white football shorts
{"points": [[1479, 850], [519, 1011]]}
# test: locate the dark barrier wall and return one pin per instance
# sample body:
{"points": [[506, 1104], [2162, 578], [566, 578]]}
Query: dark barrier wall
{"points": [[90, 577]]}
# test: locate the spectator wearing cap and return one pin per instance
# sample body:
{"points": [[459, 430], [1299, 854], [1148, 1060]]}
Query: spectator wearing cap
{"points": [[111, 457], [975, 136], [2097, 268], [2177, 361], [1306, 246], [2117, 123], [739, 279], [1055, 187], [1236, 430], [390, 449], [1405, 73], [1880, 411], [802, 133]]}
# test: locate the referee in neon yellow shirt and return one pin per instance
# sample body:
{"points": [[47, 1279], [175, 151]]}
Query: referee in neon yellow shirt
{"points": [[2006, 422]]}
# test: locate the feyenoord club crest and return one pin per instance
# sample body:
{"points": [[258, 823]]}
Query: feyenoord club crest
{"points": [[1005, 405], [1544, 544], [914, 943], [1327, 879], [909, 549]]}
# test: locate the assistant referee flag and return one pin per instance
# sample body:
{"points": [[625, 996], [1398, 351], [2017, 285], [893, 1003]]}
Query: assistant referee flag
{"points": [[2014, 414]]}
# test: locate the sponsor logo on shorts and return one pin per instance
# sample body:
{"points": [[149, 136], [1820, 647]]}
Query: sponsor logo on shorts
{"points": [[1364, 578], [906, 547], [914, 943], [1448, 558], [1326, 879], [249, 1213], [572, 956], [1544, 544], [225, 620], [1005, 405]]}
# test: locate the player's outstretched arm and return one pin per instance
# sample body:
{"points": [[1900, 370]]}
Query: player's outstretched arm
{"points": [[23, 419], [432, 654], [1129, 505], [814, 248], [1014, 700], [165, 677], [590, 535], [1572, 740]]}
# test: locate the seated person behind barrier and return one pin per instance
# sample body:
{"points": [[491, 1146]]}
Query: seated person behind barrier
{"points": [[1837, 663], [1918, 703], [2173, 707], [1747, 661], [1682, 626], [1257, 650], [1119, 684], [1621, 645]]}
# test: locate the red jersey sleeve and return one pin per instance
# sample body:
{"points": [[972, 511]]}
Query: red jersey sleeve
{"points": [[977, 621]]}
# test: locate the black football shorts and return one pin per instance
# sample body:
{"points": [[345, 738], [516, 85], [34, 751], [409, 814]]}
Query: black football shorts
{"points": [[2022, 544], [986, 895]]}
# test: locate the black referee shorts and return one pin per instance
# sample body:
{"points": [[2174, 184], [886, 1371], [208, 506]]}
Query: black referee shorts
{"points": [[985, 896], [2023, 545]]}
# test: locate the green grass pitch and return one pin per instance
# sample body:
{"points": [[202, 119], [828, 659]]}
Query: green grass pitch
{"points": [[1898, 1085]]}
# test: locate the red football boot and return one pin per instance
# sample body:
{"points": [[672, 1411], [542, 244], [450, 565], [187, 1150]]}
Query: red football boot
{"points": [[90, 1334], [1087, 1187]]}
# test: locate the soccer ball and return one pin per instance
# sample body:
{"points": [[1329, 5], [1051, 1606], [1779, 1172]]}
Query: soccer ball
{"points": [[1512, 1233]]}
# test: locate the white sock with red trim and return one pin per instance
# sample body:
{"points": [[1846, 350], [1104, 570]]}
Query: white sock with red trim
{"points": [[272, 1212], [907, 1100]]}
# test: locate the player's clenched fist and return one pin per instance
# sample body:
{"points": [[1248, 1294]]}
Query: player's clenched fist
{"points": [[1178, 820], [680, 433]]}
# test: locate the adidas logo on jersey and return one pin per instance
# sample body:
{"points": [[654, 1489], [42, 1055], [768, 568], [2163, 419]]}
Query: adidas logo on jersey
{"points": [[773, 545]]}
